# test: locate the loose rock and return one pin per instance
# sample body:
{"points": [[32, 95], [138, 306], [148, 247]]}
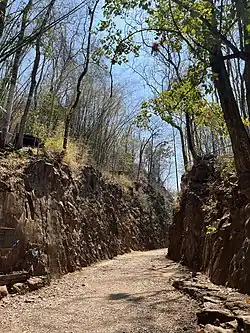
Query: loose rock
{"points": [[19, 288], [3, 292], [36, 283], [214, 329]]}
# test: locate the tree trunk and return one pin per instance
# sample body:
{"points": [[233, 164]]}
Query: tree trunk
{"points": [[81, 77], [175, 162], [24, 118], [150, 166], [190, 138], [246, 74], [13, 80], [3, 6], [19, 143], [183, 147], [238, 135], [140, 162], [142, 149]]}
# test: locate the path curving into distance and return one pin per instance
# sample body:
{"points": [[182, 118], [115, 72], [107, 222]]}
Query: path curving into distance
{"points": [[132, 293]]}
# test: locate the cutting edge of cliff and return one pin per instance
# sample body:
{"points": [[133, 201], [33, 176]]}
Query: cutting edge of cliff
{"points": [[64, 220], [211, 225]]}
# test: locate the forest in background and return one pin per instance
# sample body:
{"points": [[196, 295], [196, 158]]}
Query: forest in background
{"points": [[58, 81]]}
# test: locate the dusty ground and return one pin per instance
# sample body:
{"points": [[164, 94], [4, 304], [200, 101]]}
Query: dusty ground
{"points": [[132, 293]]}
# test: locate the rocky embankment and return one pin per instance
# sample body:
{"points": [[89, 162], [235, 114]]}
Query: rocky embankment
{"points": [[211, 226], [222, 310], [63, 222]]}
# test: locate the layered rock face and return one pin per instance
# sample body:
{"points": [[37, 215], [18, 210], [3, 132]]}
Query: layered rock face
{"points": [[62, 223], [211, 227]]}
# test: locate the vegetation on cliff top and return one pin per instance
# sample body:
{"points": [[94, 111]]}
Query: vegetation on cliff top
{"points": [[59, 80]]}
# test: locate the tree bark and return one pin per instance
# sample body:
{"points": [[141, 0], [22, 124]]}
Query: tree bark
{"points": [[238, 134], [13, 80], [183, 147], [81, 77], [3, 6], [19, 143], [246, 74], [190, 139], [24, 118]]}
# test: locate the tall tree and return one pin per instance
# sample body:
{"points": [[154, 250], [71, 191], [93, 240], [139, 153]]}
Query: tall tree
{"points": [[24, 118], [3, 6], [14, 74], [204, 29], [92, 12]]}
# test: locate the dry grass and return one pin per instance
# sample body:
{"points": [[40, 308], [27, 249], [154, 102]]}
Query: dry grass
{"points": [[13, 164], [76, 155], [124, 181], [226, 163]]}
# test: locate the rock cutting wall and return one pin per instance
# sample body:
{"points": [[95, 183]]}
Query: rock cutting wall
{"points": [[211, 226], [63, 222]]}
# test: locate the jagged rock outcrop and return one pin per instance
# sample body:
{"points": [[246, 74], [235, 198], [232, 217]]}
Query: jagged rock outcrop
{"points": [[63, 222], [211, 226]]}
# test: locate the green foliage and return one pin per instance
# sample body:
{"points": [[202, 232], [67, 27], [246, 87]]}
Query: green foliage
{"points": [[210, 230], [170, 21], [227, 165], [54, 142], [46, 116], [210, 116], [185, 96]]}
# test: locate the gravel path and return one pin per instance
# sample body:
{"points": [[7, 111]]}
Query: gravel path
{"points": [[131, 293]]}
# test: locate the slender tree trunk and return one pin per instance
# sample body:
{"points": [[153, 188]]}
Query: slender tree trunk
{"points": [[24, 118], [13, 80], [246, 74], [19, 143], [140, 162], [238, 134], [183, 146], [213, 143], [176, 161], [38, 84], [81, 77], [142, 149], [190, 138], [3, 6], [150, 167], [183, 149]]}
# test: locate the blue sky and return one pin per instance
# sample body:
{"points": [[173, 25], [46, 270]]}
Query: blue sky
{"points": [[140, 91]]}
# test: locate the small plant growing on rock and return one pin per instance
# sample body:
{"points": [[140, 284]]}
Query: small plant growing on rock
{"points": [[210, 230], [227, 165]]}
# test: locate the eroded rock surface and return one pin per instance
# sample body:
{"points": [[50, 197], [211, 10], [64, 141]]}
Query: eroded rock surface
{"points": [[63, 222], [211, 226]]}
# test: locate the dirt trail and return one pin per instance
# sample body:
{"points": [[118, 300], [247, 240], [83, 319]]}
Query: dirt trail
{"points": [[132, 293]]}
